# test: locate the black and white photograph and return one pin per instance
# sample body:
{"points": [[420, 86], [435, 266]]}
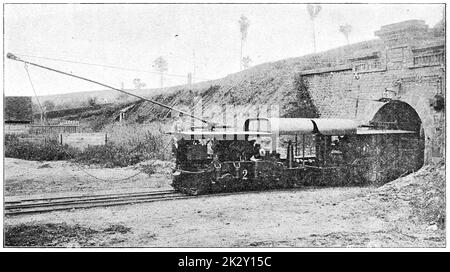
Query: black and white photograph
{"points": [[224, 125]]}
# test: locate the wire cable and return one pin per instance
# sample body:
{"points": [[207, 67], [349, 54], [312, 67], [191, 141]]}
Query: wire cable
{"points": [[13, 57], [109, 66], [32, 87]]}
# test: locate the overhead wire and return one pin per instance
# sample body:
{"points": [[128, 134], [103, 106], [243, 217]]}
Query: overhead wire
{"points": [[109, 66], [13, 57]]}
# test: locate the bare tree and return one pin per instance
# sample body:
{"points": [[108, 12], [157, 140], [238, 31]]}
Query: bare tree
{"points": [[92, 101], [246, 62], [345, 30], [244, 24], [161, 66], [313, 11], [48, 105]]}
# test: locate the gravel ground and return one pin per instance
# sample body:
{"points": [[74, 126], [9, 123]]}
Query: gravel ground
{"points": [[309, 217], [24, 178]]}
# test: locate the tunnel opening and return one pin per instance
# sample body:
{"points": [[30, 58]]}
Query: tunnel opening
{"points": [[397, 115], [401, 153]]}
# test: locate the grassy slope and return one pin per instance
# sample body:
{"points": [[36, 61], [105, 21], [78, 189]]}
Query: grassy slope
{"points": [[268, 83], [259, 84]]}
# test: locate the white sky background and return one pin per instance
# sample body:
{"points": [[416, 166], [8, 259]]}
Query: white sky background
{"points": [[133, 36]]}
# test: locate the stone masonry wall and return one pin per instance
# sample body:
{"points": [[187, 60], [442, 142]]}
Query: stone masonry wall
{"points": [[409, 70]]}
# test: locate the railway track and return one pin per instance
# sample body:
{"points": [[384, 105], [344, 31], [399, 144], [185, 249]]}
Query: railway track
{"points": [[49, 204], [40, 205]]}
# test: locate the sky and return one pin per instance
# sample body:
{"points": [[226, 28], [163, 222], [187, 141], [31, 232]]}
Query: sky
{"points": [[132, 36]]}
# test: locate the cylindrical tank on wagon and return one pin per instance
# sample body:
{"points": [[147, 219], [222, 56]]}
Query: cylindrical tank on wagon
{"points": [[334, 126], [285, 126], [303, 126]]}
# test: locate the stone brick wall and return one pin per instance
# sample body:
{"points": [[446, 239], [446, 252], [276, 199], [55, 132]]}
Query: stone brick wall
{"points": [[410, 68]]}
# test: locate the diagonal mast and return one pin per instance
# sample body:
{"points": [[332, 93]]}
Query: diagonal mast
{"points": [[209, 123]]}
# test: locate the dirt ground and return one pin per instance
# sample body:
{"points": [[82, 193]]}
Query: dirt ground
{"points": [[24, 178], [307, 217]]}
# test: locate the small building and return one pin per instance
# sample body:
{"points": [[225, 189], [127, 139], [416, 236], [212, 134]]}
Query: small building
{"points": [[18, 114]]}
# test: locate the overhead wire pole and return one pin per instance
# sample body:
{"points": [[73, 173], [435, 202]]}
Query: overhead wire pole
{"points": [[13, 57]]}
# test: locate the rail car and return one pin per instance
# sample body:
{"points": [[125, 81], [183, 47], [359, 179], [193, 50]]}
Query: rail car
{"points": [[271, 153]]}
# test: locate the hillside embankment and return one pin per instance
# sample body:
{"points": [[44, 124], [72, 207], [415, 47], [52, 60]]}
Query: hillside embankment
{"points": [[275, 84]]}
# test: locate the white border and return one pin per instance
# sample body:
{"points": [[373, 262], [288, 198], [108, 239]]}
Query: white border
{"points": [[2, 249]]}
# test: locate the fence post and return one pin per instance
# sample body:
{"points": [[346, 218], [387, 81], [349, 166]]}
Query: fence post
{"points": [[60, 138], [106, 138]]}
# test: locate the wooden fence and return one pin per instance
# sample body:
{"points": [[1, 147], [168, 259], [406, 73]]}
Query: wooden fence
{"points": [[77, 140], [16, 128], [37, 139], [53, 129]]}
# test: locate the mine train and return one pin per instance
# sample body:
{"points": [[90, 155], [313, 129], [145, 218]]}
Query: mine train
{"points": [[274, 153]]}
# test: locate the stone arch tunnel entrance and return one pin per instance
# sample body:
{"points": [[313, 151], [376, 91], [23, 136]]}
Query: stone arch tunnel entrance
{"points": [[397, 115], [410, 148]]}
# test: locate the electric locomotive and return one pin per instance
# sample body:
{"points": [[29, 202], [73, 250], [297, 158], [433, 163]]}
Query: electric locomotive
{"points": [[274, 153]]}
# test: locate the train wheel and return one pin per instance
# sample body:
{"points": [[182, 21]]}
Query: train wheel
{"points": [[193, 191], [308, 179]]}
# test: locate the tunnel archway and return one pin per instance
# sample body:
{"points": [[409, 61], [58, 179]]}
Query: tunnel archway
{"points": [[399, 115]]}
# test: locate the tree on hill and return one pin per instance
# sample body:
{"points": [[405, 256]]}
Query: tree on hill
{"points": [[161, 66], [138, 84], [92, 101], [345, 30], [244, 24], [48, 105], [313, 11]]}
